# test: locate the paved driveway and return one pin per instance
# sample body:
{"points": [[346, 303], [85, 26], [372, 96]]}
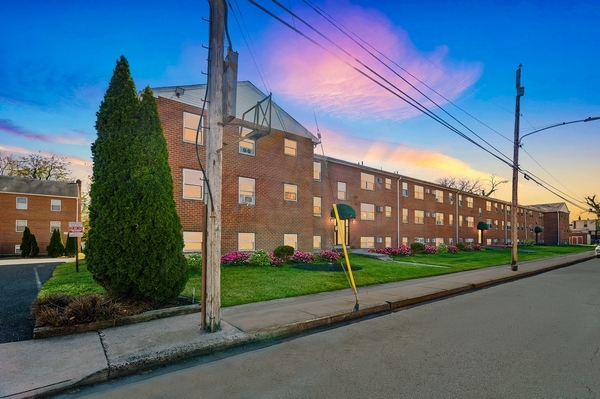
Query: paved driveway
{"points": [[20, 281]]}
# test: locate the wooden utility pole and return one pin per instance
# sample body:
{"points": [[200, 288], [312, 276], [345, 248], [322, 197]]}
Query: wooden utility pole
{"points": [[515, 202], [211, 276]]}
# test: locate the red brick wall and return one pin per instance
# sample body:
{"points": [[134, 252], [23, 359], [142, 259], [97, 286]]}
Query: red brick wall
{"points": [[38, 216]]}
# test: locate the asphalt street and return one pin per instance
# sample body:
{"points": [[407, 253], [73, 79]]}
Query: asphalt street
{"points": [[19, 286]]}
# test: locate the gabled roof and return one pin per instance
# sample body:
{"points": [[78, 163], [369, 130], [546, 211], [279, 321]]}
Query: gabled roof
{"points": [[248, 96], [555, 207], [22, 185]]}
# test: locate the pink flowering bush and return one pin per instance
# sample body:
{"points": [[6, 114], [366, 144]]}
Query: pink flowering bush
{"points": [[452, 249], [302, 257], [403, 250], [328, 256], [430, 249], [235, 258], [477, 247], [275, 261]]}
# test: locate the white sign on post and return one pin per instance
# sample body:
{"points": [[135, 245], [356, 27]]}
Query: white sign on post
{"points": [[76, 229]]}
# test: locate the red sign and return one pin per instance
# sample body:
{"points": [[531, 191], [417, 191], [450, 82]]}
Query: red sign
{"points": [[76, 229]]}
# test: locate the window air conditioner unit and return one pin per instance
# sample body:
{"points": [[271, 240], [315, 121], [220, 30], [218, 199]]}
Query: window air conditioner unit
{"points": [[249, 151], [427, 214], [438, 200], [379, 180], [379, 240], [438, 222], [427, 190], [433, 192], [379, 209], [246, 199]]}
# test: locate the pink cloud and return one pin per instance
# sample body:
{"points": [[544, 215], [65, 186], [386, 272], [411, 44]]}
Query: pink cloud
{"points": [[306, 73], [74, 137]]}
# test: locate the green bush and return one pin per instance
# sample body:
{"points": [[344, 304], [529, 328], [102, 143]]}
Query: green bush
{"points": [[260, 257], [461, 246], [25, 246], [194, 261], [442, 249], [71, 246], [529, 242], [283, 252], [417, 247], [35, 249], [56, 247]]}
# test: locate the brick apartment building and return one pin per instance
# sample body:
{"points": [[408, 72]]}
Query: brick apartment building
{"points": [[41, 205], [277, 191]]}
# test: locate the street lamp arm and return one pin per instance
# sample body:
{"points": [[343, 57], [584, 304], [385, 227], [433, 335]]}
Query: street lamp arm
{"points": [[559, 124]]}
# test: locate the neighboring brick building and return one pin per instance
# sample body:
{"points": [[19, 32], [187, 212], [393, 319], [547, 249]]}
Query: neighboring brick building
{"points": [[277, 191], [41, 205], [556, 222]]}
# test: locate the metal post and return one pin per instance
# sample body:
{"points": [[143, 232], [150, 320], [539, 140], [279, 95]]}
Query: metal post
{"points": [[211, 297], [514, 233]]}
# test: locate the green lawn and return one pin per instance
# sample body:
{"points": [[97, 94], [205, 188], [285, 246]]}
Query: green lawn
{"points": [[246, 284]]}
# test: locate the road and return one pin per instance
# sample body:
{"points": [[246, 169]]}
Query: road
{"points": [[19, 286], [537, 337]]}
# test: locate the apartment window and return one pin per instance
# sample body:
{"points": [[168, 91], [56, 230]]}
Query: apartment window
{"points": [[291, 240], [450, 241], [20, 225], [388, 211], [317, 206], [22, 203], [367, 242], [193, 187], [388, 184], [419, 217], [450, 198], [508, 209], [388, 242], [290, 192], [503, 225], [55, 205], [469, 202], [459, 199], [470, 221], [404, 215], [341, 189], [502, 208], [316, 243], [317, 171], [531, 228], [290, 147], [404, 241], [190, 126], [496, 206], [404, 189], [438, 241], [489, 223], [367, 211], [450, 219], [367, 182], [192, 241], [246, 242], [439, 196], [439, 218], [496, 224], [460, 221], [469, 241], [18, 249], [54, 225], [420, 239], [488, 206], [419, 192], [480, 214], [246, 190], [508, 226]]}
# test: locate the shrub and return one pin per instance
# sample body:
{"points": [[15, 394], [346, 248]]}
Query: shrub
{"points": [[283, 252], [235, 258], [26, 243], [529, 242], [302, 257], [442, 249], [430, 249], [260, 257], [477, 247], [194, 261], [328, 256], [56, 247], [403, 250], [71, 247], [275, 260], [468, 248], [461, 246], [35, 249], [417, 247], [452, 249]]}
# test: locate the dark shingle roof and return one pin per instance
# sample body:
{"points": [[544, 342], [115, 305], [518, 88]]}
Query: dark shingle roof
{"points": [[22, 185]]}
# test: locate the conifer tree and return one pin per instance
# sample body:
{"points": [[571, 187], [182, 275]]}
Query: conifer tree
{"points": [[56, 247], [25, 246], [135, 245]]}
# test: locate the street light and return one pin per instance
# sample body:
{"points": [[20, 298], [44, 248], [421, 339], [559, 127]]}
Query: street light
{"points": [[517, 144]]}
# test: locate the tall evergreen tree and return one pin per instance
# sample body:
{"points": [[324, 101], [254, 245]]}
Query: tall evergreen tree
{"points": [[135, 245], [25, 246]]}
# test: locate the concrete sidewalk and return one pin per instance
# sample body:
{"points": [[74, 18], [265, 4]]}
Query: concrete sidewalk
{"points": [[51, 365]]}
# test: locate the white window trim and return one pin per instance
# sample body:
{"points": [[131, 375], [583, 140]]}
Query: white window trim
{"points": [[26, 203], [294, 237], [317, 169], [184, 184], [243, 198], [52, 205], [194, 128], [189, 243], [17, 225], [253, 241], [340, 191], [367, 181], [290, 147], [365, 214], [291, 189]]}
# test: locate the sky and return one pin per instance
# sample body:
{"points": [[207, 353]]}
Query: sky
{"points": [[57, 57]]}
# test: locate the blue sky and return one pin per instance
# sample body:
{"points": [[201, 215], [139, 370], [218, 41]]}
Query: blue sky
{"points": [[57, 58]]}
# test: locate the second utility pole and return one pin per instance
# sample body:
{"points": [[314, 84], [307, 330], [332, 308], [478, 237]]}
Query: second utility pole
{"points": [[515, 202]]}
